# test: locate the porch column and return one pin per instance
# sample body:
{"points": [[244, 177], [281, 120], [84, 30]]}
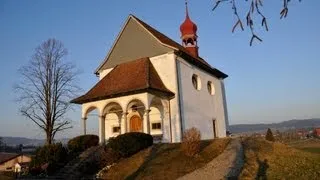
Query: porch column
{"points": [[102, 129], [84, 125], [124, 123], [146, 124]]}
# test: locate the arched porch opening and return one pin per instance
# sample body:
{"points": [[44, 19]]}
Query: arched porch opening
{"points": [[135, 117], [112, 114], [90, 123], [156, 116]]}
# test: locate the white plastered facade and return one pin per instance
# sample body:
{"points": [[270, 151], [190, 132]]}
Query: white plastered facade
{"points": [[188, 108], [198, 108]]}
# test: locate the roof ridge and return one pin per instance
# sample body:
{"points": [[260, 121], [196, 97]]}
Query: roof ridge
{"points": [[173, 44]]}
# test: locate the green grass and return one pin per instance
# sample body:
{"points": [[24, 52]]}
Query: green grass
{"points": [[311, 149], [308, 145], [269, 160], [165, 161]]}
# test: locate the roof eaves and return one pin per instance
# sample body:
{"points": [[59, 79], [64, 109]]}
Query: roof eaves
{"points": [[137, 91]]}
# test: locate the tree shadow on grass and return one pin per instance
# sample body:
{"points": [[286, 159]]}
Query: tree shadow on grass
{"points": [[157, 151], [204, 144], [262, 171]]}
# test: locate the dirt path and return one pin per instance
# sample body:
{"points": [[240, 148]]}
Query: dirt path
{"points": [[226, 166]]}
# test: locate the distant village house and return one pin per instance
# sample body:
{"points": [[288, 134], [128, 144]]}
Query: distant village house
{"points": [[13, 162], [317, 132]]}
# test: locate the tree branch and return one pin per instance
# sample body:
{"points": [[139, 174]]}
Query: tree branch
{"points": [[254, 8]]}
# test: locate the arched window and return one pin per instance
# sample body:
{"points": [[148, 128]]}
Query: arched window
{"points": [[210, 87], [196, 82]]}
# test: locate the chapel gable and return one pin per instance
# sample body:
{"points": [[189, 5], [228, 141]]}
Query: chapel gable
{"points": [[133, 42]]}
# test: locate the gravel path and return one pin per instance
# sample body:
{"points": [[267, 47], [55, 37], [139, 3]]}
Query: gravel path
{"points": [[226, 166]]}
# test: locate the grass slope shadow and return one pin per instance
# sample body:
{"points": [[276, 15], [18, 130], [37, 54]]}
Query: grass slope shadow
{"points": [[154, 152], [171, 156]]}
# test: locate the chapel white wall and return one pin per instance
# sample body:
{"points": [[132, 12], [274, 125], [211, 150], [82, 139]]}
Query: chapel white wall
{"points": [[199, 108], [166, 67], [111, 120]]}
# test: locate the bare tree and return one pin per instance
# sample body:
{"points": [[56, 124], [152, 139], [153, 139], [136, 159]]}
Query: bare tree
{"points": [[46, 85], [254, 11]]}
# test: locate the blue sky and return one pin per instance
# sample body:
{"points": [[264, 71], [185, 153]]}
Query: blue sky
{"points": [[270, 82]]}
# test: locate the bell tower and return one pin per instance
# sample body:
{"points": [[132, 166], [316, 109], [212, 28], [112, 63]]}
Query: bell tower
{"points": [[189, 36]]}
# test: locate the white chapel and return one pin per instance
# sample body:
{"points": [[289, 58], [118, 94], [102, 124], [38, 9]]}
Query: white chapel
{"points": [[150, 83]]}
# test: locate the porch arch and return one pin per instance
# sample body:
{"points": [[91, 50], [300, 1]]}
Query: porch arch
{"points": [[112, 107], [136, 108], [157, 114], [89, 109], [112, 112]]}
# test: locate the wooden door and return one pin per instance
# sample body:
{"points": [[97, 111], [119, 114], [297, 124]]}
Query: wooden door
{"points": [[135, 124]]}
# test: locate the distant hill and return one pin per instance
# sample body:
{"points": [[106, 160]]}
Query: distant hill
{"points": [[13, 141], [291, 124]]}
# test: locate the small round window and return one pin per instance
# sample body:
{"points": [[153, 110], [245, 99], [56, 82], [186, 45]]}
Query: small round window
{"points": [[196, 82], [211, 89]]}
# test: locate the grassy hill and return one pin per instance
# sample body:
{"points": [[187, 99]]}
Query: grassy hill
{"points": [[308, 145], [267, 160], [165, 161]]}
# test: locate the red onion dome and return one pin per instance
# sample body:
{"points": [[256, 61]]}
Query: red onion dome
{"points": [[188, 27]]}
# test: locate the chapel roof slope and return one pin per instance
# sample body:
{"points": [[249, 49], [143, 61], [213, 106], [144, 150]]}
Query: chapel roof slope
{"points": [[168, 41], [128, 78], [4, 157], [179, 49]]}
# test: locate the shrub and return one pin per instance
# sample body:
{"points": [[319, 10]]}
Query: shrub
{"points": [[81, 143], [130, 143], [269, 135], [55, 155], [191, 142]]}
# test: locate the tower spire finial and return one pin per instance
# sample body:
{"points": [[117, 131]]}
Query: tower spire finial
{"points": [[189, 36], [187, 12]]}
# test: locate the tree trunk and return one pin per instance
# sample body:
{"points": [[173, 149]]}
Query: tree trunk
{"points": [[49, 138]]}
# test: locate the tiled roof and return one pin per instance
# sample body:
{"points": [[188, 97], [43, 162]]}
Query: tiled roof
{"points": [[194, 60], [128, 78], [4, 157]]}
